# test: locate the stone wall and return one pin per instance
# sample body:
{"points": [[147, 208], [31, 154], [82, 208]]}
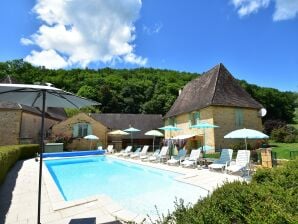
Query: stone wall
{"points": [[9, 126], [31, 126], [224, 117], [65, 128], [182, 121]]}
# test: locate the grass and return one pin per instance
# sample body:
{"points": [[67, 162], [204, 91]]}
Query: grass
{"points": [[283, 149]]}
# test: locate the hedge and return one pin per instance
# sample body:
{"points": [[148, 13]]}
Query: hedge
{"points": [[9, 155], [271, 197]]}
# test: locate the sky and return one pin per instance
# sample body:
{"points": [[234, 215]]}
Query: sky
{"points": [[255, 39]]}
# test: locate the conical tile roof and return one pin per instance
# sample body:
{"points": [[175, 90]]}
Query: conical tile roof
{"points": [[216, 87]]}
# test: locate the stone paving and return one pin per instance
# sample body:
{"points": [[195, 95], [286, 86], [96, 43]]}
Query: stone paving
{"points": [[18, 197]]}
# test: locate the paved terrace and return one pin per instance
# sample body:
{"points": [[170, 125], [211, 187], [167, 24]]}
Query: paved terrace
{"points": [[18, 197]]}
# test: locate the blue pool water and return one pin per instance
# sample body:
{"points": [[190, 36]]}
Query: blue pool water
{"points": [[135, 187]]}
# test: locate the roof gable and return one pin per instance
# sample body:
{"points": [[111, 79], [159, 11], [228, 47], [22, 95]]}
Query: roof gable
{"points": [[216, 87]]}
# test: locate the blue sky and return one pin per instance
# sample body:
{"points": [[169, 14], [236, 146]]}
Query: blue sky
{"points": [[255, 39]]}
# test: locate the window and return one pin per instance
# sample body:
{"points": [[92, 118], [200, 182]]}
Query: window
{"points": [[81, 130], [194, 118], [172, 121], [239, 118]]}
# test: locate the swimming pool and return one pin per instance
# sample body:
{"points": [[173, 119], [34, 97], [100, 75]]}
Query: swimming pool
{"points": [[137, 188]]}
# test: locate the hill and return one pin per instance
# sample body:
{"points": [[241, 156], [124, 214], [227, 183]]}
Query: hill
{"points": [[141, 90]]}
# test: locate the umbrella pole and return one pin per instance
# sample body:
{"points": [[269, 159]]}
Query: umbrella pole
{"points": [[153, 144], [41, 150]]}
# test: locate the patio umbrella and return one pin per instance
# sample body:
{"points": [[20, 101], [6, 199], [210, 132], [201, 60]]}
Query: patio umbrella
{"points": [[170, 128], [91, 137], [42, 97], [118, 132], [204, 125], [131, 130], [246, 134], [154, 133]]}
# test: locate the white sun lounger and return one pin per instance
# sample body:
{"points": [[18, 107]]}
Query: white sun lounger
{"points": [[161, 156], [126, 150], [192, 160], [241, 163], [141, 153], [146, 158]]}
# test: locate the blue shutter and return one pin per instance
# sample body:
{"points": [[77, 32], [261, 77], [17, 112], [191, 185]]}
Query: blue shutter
{"points": [[197, 117], [89, 129], [239, 118], [75, 130]]}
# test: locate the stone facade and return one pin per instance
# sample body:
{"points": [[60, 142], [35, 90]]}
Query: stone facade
{"points": [[222, 116], [65, 128], [20, 127], [10, 121], [30, 127]]}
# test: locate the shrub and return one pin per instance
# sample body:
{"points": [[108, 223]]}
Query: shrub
{"points": [[271, 197], [269, 125], [9, 155], [286, 134]]}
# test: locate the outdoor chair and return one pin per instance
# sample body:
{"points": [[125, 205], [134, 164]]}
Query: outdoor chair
{"points": [[146, 157], [110, 149], [140, 153], [192, 160], [162, 155], [126, 150], [223, 161], [128, 154], [241, 163], [177, 159]]}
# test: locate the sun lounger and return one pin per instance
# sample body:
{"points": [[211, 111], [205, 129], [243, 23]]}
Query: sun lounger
{"points": [[146, 157], [140, 153], [110, 149], [161, 156], [223, 161], [241, 163], [192, 160], [128, 154], [177, 159], [126, 150]]}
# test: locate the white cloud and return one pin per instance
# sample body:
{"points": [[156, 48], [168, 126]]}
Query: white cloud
{"points": [[152, 30], [48, 58], [86, 31], [246, 7], [284, 9]]}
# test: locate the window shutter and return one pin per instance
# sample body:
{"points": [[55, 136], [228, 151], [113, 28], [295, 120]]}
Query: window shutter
{"points": [[89, 129], [175, 121], [197, 117], [239, 118], [189, 120], [75, 130]]}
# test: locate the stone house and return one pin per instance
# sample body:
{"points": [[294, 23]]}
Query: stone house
{"points": [[21, 124], [217, 98], [83, 124]]}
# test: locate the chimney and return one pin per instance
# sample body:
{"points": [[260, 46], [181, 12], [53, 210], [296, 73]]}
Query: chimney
{"points": [[179, 92]]}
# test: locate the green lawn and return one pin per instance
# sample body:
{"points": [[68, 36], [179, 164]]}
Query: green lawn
{"points": [[283, 149]]}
